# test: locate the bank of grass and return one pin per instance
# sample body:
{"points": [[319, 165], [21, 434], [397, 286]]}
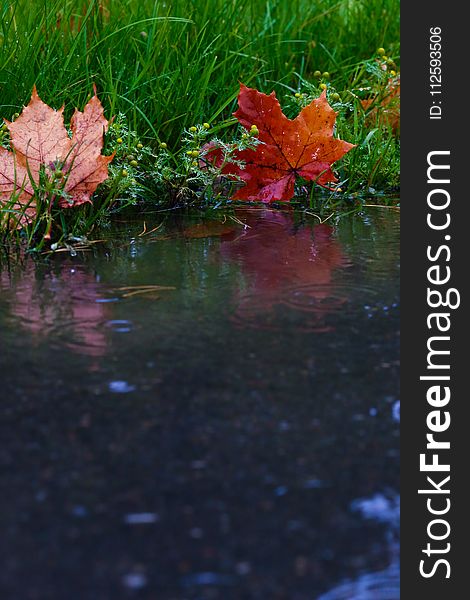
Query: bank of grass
{"points": [[166, 66]]}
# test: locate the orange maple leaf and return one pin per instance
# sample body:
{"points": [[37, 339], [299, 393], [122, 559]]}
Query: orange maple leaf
{"points": [[303, 147], [39, 142]]}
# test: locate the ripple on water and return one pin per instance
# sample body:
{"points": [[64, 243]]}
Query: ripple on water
{"points": [[119, 325], [309, 308]]}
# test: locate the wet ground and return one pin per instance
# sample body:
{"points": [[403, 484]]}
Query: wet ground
{"points": [[205, 411]]}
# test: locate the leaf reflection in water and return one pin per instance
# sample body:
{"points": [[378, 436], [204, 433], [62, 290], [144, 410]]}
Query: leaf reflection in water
{"points": [[286, 268], [58, 305]]}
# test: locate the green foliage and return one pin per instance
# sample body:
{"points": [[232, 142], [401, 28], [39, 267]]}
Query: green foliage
{"points": [[168, 177], [168, 64], [162, 67]]}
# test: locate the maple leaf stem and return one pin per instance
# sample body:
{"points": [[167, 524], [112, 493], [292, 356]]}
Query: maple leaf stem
{"points": [[47, 235]]}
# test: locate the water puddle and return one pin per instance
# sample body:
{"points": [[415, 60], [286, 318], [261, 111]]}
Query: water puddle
{"points": [[207, 411]]}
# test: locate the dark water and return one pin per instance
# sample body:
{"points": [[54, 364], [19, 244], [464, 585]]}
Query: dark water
{"points": [[235, 437]]}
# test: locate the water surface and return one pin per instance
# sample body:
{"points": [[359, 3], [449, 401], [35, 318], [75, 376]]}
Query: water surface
{"points": [[207, 410]]}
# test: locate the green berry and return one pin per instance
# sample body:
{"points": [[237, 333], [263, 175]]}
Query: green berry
{"points": [[323, 86], [317, 74], [193, 129], [335, 96], [206, 125], [325, 75], [133, 163], [140, 146], [119, 141], [163, 145], [381, 51], [124, 173], [298, 95]]}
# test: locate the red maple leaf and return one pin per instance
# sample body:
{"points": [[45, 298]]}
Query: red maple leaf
{"points": [[40, 141], [303, 147]]}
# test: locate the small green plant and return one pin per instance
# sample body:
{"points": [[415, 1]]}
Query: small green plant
{"points": [[172, 177]]}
